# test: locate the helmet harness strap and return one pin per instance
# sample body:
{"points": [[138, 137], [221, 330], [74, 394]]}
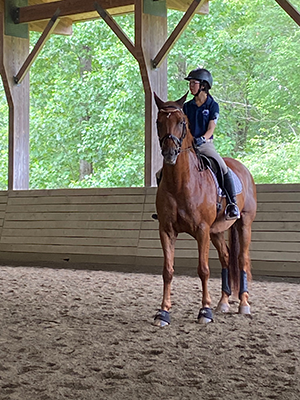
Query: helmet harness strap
{"points": [[201, 89]]}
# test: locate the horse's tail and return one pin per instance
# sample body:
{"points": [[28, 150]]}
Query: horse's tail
{"points": [[234, 246]]}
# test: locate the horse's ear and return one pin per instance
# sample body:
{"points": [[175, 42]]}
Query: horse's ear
{"points": [[182, 100], [158, 101]]}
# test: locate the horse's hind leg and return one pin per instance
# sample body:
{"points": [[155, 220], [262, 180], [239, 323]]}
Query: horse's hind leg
{"points": [[168, 240], [219, 242], [244, 230]]}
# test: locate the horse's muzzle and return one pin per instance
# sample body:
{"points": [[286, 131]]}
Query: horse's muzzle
{"points": [[170, 156]]}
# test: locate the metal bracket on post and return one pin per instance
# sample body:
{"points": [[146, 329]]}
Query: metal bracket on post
{"points": [[154, 64], [15, 15], [37, 48]]}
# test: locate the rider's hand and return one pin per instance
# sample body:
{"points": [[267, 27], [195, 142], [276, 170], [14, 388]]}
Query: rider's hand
{"points": [[199, 141]]}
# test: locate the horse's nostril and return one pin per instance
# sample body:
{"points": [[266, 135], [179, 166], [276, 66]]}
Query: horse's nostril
{"points": [[169, 153], [170, 156]]}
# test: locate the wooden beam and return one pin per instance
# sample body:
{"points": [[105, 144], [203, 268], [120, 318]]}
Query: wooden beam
{"points": [[150, 34], [2, 64], [13, 51], [183, 5], [138, 26], [116, 28], [37, 48], [43, 11], [290, 10], [164, 51], [63, 27]]}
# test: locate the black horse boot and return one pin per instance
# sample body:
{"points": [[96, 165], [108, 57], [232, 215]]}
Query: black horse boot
{"points": [[231, 211], [158, 176]]}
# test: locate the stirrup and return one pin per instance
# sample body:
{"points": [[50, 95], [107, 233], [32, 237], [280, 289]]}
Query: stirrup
{"points": [[154, 216], [232, 211]]}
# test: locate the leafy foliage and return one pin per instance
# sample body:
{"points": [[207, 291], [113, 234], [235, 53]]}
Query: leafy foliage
{"points": [[87, 100], [88, 109], [251, 48]]}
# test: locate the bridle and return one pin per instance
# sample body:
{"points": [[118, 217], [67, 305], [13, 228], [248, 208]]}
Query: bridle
{"points": [[178, 142]]}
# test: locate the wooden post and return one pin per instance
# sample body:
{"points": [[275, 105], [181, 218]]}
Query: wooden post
{"points": [[37, 48], [13, 53], [150, 35]]}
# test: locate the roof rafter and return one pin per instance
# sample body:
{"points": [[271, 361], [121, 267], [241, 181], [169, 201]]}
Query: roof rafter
{"points": [[176, 33], [37, 48], [39, 12]]}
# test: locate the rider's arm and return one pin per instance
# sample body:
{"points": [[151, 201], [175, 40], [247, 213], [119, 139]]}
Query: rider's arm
{"points": [[210, 130]]}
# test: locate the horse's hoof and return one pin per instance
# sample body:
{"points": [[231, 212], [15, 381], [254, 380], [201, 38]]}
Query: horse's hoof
{"points": [[223, 307], [160, 323], [204, 320], [162, 318], [245, 310], [205, 315]]}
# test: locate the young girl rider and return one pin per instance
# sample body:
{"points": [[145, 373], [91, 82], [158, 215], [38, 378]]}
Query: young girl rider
{"points": [[203, 113]]}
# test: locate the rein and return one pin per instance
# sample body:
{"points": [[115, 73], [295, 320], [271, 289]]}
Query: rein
{"points": [[176, 141]]}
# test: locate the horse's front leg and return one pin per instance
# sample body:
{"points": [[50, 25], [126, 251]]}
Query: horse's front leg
{"points": [[203, 239], [162, 318], [219, 242]]}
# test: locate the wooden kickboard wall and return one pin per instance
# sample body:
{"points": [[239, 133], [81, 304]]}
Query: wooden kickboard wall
{"points": [[93, 228]]}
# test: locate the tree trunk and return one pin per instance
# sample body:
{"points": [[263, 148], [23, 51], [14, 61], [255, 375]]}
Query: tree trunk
{"points": [[85, 167]]}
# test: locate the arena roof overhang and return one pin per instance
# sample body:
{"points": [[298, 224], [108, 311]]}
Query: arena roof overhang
{"points": [[36, 12]]}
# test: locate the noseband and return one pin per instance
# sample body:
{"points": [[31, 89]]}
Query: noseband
{"points": [[178, 142]]}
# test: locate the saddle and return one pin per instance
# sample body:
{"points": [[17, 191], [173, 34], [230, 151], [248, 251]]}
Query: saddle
{"points": [[213, 166], [215, 169]]}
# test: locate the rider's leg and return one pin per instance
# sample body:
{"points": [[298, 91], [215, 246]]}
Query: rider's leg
{"points": [[232, 210], [158, 176]]}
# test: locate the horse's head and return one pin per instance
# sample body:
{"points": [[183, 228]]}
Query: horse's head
{"points": [[171, 127]]}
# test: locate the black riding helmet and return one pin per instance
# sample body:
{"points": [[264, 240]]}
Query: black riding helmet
{"points": [[200, 74]]}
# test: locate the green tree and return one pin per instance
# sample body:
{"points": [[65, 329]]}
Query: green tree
{"points": [[87, 104], [87, 100], [252, 49]]}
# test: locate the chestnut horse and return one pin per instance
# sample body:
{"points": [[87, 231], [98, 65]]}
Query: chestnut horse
{"points": [[186, 201]]}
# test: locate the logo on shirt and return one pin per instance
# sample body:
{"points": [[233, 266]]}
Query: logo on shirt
{"points": [[205, 113]]}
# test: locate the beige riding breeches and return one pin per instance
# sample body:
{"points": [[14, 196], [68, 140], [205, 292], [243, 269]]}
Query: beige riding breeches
{"points": [[208, 149]]}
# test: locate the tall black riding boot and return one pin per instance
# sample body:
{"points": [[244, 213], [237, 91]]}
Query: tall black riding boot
{"points": [[158, 176], [232, 211]]}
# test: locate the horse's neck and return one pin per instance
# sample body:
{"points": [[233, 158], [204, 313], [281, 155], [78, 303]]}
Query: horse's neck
{"points": [[180, 175]]}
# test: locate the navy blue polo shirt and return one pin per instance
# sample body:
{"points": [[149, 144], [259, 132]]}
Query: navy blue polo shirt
{"points": [[199, 117]]}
